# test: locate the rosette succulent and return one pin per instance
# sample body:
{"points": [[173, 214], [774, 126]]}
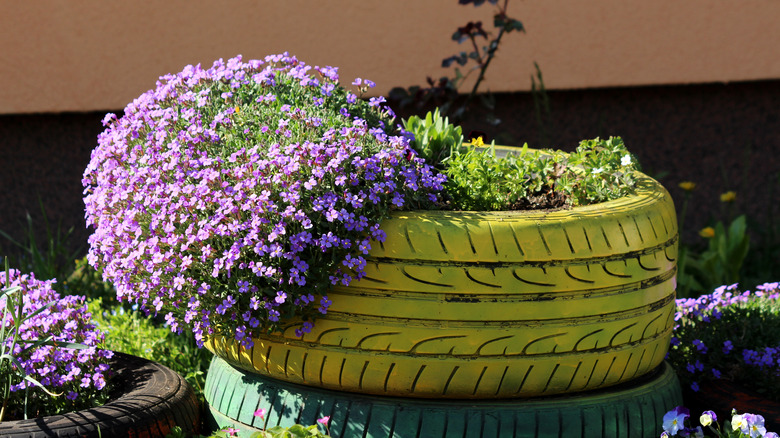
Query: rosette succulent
{"points": [[230, 198]]}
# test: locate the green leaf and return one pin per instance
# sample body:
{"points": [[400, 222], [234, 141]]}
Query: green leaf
{"points": [[39, 385]]}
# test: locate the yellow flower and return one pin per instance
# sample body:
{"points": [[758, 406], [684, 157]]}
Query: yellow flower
{"points": [[477, 141], [238, 110], [688, 186], [729, 196], [707, 232]]}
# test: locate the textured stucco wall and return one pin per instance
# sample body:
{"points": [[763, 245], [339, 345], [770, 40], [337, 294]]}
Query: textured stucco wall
{"points": [[84, 55]]}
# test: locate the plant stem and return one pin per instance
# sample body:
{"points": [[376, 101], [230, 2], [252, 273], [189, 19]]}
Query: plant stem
{"points": [[490, 54]]}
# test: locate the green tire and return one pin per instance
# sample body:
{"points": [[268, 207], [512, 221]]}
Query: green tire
{"points": [[493, 305], [634, 409]]}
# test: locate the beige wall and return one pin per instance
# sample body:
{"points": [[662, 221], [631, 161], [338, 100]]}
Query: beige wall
{"points": [[83, 55]]}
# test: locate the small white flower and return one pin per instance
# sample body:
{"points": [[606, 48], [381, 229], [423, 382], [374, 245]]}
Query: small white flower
{"points": [[626, 160], [598, 170]]}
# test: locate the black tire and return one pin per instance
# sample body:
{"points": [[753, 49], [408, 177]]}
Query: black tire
{"points": [[149, 400], [632, 409]]}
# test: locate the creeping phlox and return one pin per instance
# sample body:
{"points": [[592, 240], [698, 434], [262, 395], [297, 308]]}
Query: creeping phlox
{"points": [[676, 424], [74, 378], [229, 199]]}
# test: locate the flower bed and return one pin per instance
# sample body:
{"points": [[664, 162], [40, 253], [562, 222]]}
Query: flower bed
{"points": [[43, 378]]}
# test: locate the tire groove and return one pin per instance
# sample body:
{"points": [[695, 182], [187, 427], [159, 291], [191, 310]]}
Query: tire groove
{"points": [[409, 240], [638, 231], [449, 380], [532, 283], [471, 242], [286, 359], [493, 239], [652, 227], [606, 240], [604, 266], [544, 241], [568, 240], [501, 381], [639, 363], [641, 265], [479, 379], [362, 374], [522, 383], [468, 275], [577, 278], [574, 376], [323, 333], [623, 232], [441, 242], [587, 239], [479, 349], [517, 242], [322, 368], [619, 332], [549, 379], [387, 376], [417, 377], [609, 370], [628, 362], [647, 326], [554, 335], [373, 335], [583, 338], [592, 372], [431, 283], [341, 371], [303, 367]]}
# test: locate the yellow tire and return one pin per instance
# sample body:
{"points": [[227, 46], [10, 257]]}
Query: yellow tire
{"points": [[493, 305]]}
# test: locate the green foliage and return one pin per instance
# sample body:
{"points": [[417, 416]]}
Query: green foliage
{"points": [[130, 331], [295, 431], [434, 137], [607, 171], [48, 259], [598, 171], [85, 280], [721, 263]]}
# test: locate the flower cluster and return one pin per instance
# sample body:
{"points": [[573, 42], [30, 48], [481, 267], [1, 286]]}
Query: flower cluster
{"points": [[77, 376], [230, 198], [731, 335], [675, 423]]}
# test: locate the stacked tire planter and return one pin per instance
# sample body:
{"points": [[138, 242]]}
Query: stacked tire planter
{"points": [[527, 321]]}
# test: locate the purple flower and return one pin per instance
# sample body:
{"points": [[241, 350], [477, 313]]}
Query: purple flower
{"points": [[65, 319], [248, 176], [674, 420]]}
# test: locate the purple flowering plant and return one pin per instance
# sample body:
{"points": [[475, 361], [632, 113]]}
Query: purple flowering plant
{"points": [[729, 334], [50, 361], [676, 423], [229, 199]]}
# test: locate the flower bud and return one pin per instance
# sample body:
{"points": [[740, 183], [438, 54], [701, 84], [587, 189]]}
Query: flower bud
{"points": [[707, 418]]}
